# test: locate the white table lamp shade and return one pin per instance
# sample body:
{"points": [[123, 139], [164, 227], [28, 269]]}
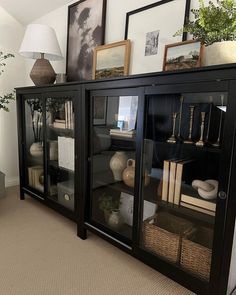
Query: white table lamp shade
{"points": [[40, 39]]}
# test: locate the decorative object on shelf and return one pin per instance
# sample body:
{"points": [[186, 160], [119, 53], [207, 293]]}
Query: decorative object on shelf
{"points": [[217, 143], [99, 110], [66, 194], [129, 174], [111, 60], [149, 38], [66, 152], [36, 149], [115, 220], [118, 163], [2, 185], [180, 116], [207, 189], [6, 98], [107, 203], [35, 105], [86, 27], [189, 140], [172, 139], [214, 26], [200, 142], [40, 43], [182, 55], [35, 177], [209, 119]]}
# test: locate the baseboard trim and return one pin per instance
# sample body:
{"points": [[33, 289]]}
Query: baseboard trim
{"points": [[12, 181]]}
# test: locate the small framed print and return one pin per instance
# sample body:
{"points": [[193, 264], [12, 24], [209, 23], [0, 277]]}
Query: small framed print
{"points": [[182, 55], [111, 60]]}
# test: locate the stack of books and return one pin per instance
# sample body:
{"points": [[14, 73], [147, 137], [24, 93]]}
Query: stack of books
{"points": [[68, 122], [176, 191], [123, 133], [34, 174]]}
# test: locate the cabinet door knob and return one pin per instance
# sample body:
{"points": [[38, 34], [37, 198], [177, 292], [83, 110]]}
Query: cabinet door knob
{"points": [[222, 195]]}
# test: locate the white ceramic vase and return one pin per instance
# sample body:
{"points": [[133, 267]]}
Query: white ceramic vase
{"points": [[219, 53], [36, 149], [115, 220], [118, 164]]}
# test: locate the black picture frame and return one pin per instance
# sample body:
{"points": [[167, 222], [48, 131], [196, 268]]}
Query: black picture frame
{"points": [[138, 60], [83, 36]]}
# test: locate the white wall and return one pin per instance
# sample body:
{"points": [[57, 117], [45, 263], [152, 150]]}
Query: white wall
{"points": [[11, 33]]}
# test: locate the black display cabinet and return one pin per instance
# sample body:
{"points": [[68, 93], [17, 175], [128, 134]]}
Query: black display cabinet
{"points": [[154, 167]]}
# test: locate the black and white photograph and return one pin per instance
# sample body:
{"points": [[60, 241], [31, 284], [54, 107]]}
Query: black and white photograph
{"points": [[151, 46], [85, 32]]}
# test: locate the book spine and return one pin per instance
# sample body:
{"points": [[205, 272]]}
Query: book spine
{"points": [[198, 209], [165, 184], [66, 114], [172, 182], [198, 202], [178, 182]]}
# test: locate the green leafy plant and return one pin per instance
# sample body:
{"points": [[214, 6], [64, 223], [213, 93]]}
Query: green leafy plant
{"points": [[7, 98], [212, 23], [108, 203]]}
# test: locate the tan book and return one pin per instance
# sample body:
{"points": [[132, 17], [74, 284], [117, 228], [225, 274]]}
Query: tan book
{"points": [[178, 179], [165, 183], [198, 202], [171, 190], [196, 208]]}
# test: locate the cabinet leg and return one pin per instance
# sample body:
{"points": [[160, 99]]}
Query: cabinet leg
{"points": [[81, 233], [22, 195]]}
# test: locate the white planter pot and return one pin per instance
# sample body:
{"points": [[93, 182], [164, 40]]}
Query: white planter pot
{"points": [[36, 149], [219, 53]]}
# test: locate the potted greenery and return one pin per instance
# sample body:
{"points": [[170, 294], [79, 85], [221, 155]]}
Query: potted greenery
{"points": [[107, 204], [5, 99], [215, 26]]}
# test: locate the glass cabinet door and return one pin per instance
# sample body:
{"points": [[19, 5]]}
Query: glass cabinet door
{"points": [[183, 136], [113, 151], [60, 150], [34, 130]]}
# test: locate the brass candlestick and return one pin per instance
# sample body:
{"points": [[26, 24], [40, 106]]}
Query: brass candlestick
{"points": [[172, 139], [180, 116], [217, 143], [189, 140], [201, 142]]}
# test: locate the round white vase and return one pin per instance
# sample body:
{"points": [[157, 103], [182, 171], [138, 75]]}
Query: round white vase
{"points": [[219, 53], [115, 220], [118, 164], [36, 149]]}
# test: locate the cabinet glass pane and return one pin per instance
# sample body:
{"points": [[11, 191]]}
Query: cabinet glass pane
{"points": [[182, 150], [60, 150], [113, 162], [34, 142]]}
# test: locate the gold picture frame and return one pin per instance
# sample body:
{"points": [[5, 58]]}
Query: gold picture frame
{"points": [[182, 55], [111, 60]]}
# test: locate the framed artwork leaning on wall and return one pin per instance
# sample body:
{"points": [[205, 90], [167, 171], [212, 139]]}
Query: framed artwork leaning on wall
{"points": [[86, 28], [152, 27]]}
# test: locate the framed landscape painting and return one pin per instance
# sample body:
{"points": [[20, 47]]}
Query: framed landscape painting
{"points": [[111, 60], [86, 27], [182, 55]]}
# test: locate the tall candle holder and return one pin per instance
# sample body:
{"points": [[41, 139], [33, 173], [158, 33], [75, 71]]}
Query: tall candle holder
{"points": [[209, 119], [217, 143], [189, 140], [201, 142], [180, 116], [172, 139]]}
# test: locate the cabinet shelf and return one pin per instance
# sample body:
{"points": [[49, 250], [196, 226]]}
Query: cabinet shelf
{"points": [[54, 164], [118, 186], [61, 131]]}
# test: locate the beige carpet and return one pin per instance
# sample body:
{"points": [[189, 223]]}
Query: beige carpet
{"points": [[40, 254]]}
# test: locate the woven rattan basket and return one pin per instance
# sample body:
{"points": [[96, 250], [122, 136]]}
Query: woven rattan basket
{"points": [[162, 234], [196, 252]]}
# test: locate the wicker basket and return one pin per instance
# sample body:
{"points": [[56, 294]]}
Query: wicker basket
{"points": [[162, 234], [196, 252]]}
